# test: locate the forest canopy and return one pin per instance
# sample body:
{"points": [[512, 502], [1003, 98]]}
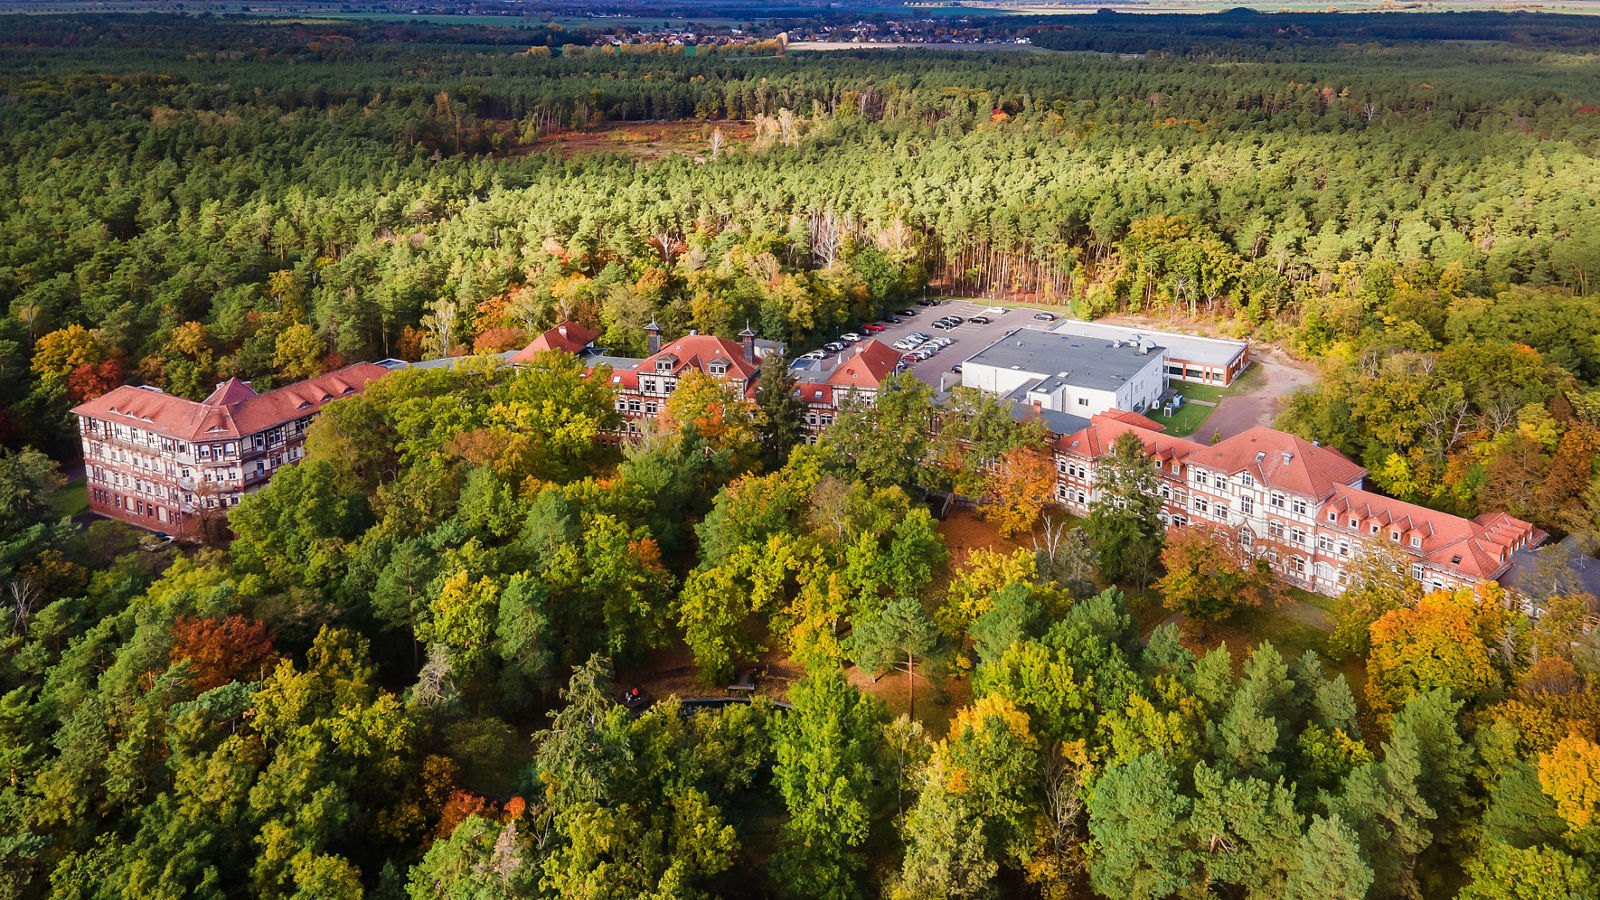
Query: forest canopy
{"points": [[400, 677]]}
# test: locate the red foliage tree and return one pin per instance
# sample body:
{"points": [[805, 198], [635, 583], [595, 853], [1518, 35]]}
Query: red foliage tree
{"points": [[90, 380], [460, 806], [223, 650]]}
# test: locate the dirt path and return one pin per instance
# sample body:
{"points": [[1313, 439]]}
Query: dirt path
{"points": [[1279, 376]]}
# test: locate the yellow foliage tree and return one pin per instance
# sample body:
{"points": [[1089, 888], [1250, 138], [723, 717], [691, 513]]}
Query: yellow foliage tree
{"points": [[65, 349], [971, 591], [1570, 774], [1017, 487]]}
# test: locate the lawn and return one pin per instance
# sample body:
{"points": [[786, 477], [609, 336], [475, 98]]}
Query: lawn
{"points": [[73, 499], [1186, 421]]}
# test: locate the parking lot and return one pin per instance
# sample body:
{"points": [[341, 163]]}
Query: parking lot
{"points": [[967, 337]]}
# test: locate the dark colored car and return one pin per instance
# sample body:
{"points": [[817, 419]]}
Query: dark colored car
{"points": [[980, 320], [956, 368], [908, 313], [892, 320], [926, 302], [944, 323], [954, 320], [1045, 317]]}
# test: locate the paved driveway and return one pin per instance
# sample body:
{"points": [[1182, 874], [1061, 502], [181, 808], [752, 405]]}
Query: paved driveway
{"points": [[1278, 379]]}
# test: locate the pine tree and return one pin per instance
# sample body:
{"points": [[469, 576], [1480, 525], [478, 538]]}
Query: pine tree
{"points": [[782, 411]]}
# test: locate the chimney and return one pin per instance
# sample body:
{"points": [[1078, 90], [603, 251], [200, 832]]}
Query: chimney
{"points": [[654, 332], [748, 338]]}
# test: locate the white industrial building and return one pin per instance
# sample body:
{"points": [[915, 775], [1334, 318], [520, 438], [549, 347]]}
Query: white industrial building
{"points": [[1070, 374]]}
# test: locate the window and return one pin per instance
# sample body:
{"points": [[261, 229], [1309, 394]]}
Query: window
{"points": [[1355, 522], [1298, 536], [650, 407], [1394, 535], [649, 385], [1324, 572], [1061, 466], [1324, 542], [1416, 571], [1200, 504], [1222, 510], [1083, 401], [1374, 527], [1246, 505], [1276, 501], [1416, 540], [1275, 529], [1200, 477], [1061, 491], [717, 368], [1246, 539], [1333, 516], [664, 366], [1246, 479], [1298, 507], [1344, 548], [1299, 565]]}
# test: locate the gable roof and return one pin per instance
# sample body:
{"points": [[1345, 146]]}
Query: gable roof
{"points": [[1281, 460], [232, 411], [568, 337], [1480, 547], [698, 351], [867, 367]]}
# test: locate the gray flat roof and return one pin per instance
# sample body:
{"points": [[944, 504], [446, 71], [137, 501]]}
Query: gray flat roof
{"points": [[1063, 358], [1188, 347]]}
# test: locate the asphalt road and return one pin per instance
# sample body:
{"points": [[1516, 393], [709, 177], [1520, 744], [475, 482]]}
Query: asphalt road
{"points": [[968, 338]]}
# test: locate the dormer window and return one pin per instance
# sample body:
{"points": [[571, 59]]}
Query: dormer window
{"points": [[1355, 522], [664, 366], [1374, 527], [717, 368], [1416, 541], [1394, 536]]}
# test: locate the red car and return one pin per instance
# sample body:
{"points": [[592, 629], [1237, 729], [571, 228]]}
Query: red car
{"points": [[909, 358], [874, 327]]}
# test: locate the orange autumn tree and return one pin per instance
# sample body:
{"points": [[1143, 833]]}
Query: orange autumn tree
{"points": [[725, 420], [222, 650], [1209, 575], [1442, 642], [1016, 488]]}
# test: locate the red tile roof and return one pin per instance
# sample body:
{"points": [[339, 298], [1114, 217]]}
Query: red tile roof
{"points": [[1134, 419], [697, 351], [1105, 428], [1281, 460], [233, 410], [1480, 548], [569, 337], [867, 367]]}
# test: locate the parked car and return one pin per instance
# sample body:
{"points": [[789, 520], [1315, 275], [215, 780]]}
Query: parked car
{"points": [[1045, 317], [834, 346], [874, 328], [905, 344], [944, 342], [910, 358], [815, 354], [956, 368], [954, 320], [919, 336], [926, 302], [851, 337], [907, 313], [892, 320], [943, 323], [925, 353], [980, 320]]}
